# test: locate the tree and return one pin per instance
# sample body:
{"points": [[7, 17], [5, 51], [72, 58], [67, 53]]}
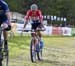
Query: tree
{"points": [[62, 8]]}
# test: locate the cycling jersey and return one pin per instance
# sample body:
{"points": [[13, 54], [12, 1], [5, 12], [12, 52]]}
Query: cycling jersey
{"points": [[3, 9], [34, 15]]}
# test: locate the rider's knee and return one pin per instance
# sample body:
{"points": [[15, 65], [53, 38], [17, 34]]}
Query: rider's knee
{"points": [[39, 33], [4, 25], [8, 28], [33, 34], [35, 39]]}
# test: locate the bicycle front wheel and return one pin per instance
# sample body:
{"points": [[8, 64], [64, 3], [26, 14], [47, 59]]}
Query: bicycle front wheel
{"points": [[0, 63], [39, 54], [6, 58], [32, 52], [0, 59]]}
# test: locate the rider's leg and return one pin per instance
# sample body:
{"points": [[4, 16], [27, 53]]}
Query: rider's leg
{"points": [[34, 38], [40, 39], [5, 34], [39, 34], [35, 41]]}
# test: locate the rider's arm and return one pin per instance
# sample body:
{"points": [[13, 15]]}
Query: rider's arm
{"points": [[25, 24], [7, 12], [8, 17], [26, 18], [41, 18]]}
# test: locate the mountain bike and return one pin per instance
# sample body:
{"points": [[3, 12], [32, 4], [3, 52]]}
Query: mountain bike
{"points": [[4, 54], [35, 54]]}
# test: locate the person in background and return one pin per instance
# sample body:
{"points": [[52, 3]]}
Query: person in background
{"points": [[5, 21]]}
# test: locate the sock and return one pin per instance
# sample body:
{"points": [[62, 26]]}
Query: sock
{"points": [[0, 46], [5, 44]]}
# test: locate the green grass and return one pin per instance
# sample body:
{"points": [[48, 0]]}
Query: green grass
{"points": [[18, 44], [58, 51]]}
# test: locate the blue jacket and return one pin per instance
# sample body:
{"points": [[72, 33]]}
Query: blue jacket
{"points": [[3, 9]]}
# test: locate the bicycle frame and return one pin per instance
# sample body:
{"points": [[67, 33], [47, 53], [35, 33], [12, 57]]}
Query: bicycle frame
{"points": [[0, 46], [33, 51], [38, 50], [3, 54]]}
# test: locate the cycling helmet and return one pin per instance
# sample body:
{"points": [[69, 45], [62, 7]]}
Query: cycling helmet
{"points": [[33, 7]]}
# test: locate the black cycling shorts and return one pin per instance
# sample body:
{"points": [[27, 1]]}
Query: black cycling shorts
{"points": [[35, 24]]}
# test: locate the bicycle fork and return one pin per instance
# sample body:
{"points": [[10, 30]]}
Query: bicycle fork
{"points": [[0, 48]]}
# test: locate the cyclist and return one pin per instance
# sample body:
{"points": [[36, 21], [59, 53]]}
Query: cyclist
{"points": [[5, 21], [35, 15]]}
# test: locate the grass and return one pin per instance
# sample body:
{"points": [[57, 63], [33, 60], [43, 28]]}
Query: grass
{"points": [[18, 44], [58, 51]]}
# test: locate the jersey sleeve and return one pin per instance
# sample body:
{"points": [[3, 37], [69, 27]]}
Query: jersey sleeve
{"points": [[5, 6]]}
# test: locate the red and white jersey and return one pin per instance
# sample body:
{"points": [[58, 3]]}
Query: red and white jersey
{"points": [[34, 15]]}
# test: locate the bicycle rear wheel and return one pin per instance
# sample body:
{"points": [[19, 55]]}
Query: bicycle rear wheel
{"points": [[0, 59], [32, 52], [0, 63], [1, 54]]}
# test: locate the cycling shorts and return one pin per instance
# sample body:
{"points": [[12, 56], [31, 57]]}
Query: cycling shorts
{"points": [[35, 24]]}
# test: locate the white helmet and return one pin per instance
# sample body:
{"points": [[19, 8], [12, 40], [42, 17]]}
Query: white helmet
{"points": [[33, 7]]}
